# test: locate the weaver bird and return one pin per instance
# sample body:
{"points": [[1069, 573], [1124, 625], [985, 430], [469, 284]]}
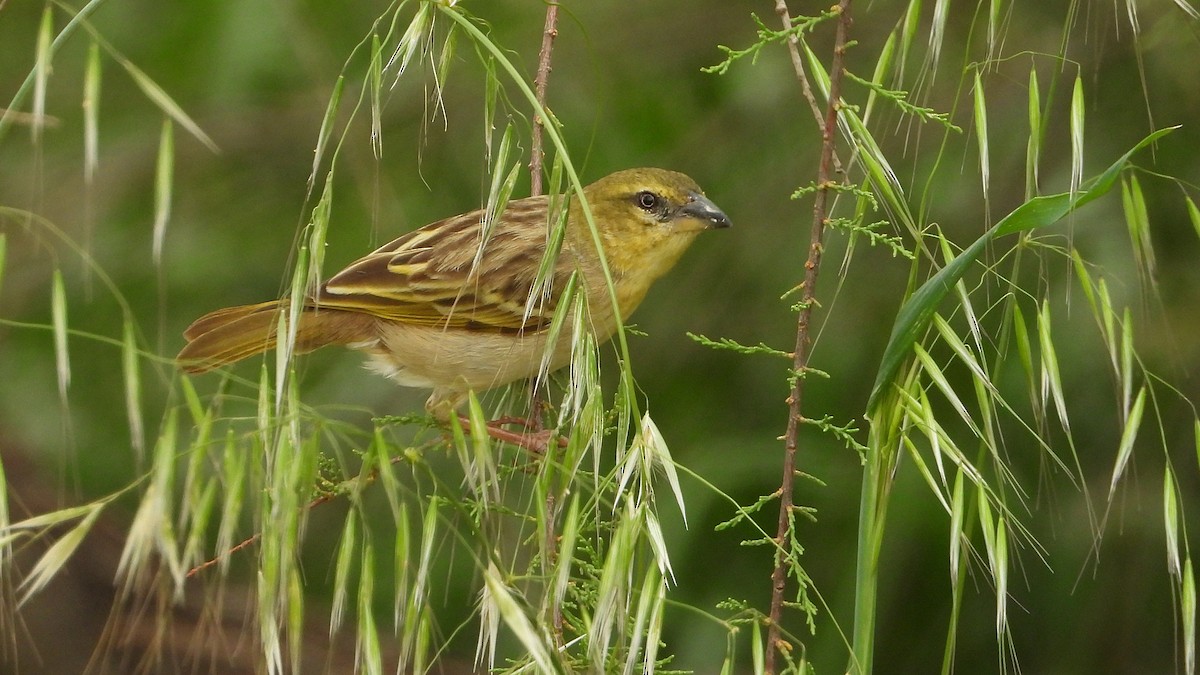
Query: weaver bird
{"points": [[457, 305]]}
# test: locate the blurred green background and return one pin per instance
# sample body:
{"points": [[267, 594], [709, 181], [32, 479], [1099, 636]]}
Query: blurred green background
{"points": [[628, 86]]}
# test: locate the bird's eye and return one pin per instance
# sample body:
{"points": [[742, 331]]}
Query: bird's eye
{"points": [[647, 200]]}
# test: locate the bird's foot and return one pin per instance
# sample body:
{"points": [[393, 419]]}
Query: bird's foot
{"points": [[536, 442]]}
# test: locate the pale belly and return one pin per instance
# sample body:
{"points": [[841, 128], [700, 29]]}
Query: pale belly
{"points": [[453, 361]]}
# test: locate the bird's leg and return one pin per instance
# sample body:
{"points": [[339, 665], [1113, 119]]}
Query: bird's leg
{"points": [[536, 442], [535, 438]]}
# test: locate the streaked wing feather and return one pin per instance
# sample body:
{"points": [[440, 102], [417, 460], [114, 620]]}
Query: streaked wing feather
{"points": [[437, 276]]}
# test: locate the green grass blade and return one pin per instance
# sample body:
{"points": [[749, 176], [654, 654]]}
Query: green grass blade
{"points": [[1137, 218], [981, 136], [957, 534], [1187, 607], [368, 650], [1171, 523], [41, 70], [1125, 374], [518, 622], [937, 32], [1038, 212], [5, 533], [163, 178], [58, 314], [1077, 122], [3, 254], [12, 111], [1194, 215], [1051, 374], [1128, 437], [133, 386], [55, 557], [1000, 570], [1195, 16], [233, 477], [1034, 148], [91, 114], [326, 131], [341, 572], [375, 86], [160, 98]]}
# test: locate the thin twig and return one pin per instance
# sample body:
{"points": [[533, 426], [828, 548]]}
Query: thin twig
{"points": [[541, 79], [793, 44], [803, 334], [539, 83], [320, 499], [254, 538]]}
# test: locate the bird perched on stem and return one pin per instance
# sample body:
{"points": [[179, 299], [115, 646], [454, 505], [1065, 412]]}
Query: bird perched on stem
{"points": [[466, 303]]}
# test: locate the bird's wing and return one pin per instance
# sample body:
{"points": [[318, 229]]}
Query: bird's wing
{"points": [[456, 273]]}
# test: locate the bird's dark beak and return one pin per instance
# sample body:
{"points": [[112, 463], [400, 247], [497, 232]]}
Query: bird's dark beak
{"points": [[700, 208]]}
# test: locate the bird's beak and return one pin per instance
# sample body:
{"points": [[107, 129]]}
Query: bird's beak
{"points": [[700, 208]]}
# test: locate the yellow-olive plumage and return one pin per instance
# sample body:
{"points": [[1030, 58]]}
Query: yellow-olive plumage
{"points": [[458, 304]]}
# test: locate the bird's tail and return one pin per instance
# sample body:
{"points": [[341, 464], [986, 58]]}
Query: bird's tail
{"points": [[234, 333]]}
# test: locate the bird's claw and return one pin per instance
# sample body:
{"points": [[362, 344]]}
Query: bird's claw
{"points": [[535, 442]]}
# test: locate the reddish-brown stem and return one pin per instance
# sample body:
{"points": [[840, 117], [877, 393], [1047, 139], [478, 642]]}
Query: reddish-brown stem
{"points": [[793, 45], [253, 539], [539, 83], [320, 499], [540, 80], [812, 267]]}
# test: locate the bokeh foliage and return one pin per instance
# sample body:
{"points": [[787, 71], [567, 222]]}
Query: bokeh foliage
{"points": [[628, 87]]}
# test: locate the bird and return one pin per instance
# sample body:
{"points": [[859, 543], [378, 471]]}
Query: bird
{"points": [[465, 303]]}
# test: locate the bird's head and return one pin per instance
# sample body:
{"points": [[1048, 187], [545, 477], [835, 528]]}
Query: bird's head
{"points": [[646, 219], [656, 201]]}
